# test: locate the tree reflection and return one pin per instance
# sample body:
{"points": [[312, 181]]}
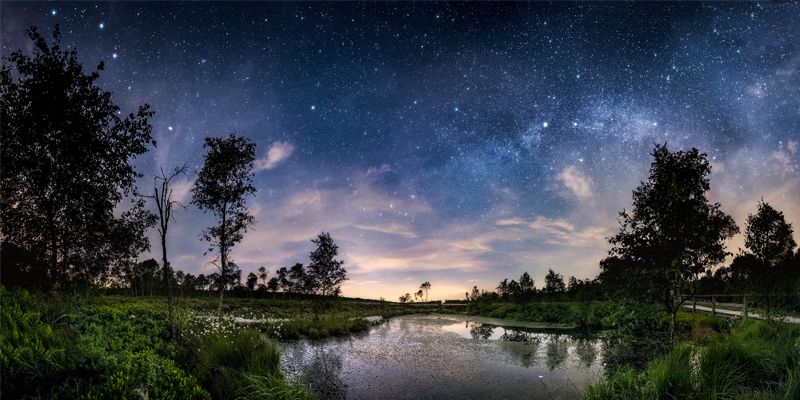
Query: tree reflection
{"points": [[480, 331], [323, 375], [556, 351], [586, 351]]}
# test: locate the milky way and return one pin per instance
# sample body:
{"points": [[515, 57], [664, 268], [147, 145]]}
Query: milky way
{"points": [[459, 144]]}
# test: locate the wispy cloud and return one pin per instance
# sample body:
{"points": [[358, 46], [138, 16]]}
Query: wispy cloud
{"points": [[576, 182], [277, 153]]}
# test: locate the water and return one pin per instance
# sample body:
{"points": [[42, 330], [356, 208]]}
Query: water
{"points": [[447, 357]]}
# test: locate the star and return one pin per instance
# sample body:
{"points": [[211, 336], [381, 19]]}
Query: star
{"points": [[101, 25], [53, 12]]}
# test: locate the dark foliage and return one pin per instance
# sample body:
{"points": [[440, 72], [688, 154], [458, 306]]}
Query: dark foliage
{"points": [[66, 157]]}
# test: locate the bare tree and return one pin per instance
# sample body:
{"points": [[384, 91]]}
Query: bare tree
{"points": [[165, 203]]}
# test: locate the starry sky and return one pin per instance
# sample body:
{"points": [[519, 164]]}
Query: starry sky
{"points": [[455, 143]]}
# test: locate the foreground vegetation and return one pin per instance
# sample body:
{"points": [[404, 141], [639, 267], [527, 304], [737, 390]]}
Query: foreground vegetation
{"points": [[59, 346], [750, 360]]}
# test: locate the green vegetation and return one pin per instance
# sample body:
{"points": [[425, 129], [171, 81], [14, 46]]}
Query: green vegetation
{"points": [[573, 313], [53, 347], [754, 360]]}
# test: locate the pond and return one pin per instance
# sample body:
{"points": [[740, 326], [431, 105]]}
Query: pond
{"points": [[447, 357]]}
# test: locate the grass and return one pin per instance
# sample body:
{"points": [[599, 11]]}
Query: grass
{"points": [[754, 360], [97, 348], [121, 347]]}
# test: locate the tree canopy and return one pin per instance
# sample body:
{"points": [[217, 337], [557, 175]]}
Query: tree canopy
{"points": [[67, 155], [673, 233], [222, 187], [326, 272]]}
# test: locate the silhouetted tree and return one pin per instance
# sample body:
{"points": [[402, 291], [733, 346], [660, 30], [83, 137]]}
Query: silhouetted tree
{"points": [[165, 203], [282, 276], [252, 279], [272, 285], [526, 286], [222, 187], [299, 281], [474, 295], [502, 288], [769, 239], [514, 288], [673, 234], [768, 236], [425, 286], [326, 272], [262, 273], [147, 271], [419, 295], [66, 161], [554, 283]]}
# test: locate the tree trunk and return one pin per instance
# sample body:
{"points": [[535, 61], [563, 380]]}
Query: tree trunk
{"points": [[167, 279], [223, 264], [53, 254]]}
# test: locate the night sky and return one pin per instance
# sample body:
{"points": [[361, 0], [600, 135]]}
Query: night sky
{"points": [[454, 143]]}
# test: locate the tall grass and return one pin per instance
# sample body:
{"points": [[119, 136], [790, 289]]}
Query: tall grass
{"points": [[756, 360]]}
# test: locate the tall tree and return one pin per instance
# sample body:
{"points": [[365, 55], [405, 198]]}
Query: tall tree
{"points": [[273, 284], [67, 160], [165, 204], [673, 234], [768, 236], [222, 187], [262, 273], [526, 285], [502, 288], [326, 272], [553, 282], [425, 286], [299, 281], [252, 279], [282, 276]]}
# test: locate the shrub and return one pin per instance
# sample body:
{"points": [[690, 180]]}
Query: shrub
{"points": [[31, 350]]}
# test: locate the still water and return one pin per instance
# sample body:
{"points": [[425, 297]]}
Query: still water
{"points": [[447, 357]]}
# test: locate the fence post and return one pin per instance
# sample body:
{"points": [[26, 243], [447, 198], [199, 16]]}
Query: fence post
{"points": [[694, 304], [744, 300], [714, 306]]}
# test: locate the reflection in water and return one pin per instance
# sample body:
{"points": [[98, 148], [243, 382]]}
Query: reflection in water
{"points": [[323, 375], [557, 351], [585, 349], [446, 357], [480, 331]]}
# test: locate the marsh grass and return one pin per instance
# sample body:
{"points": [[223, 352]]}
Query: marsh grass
{"points": [[273, 387], [756, 360]]}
